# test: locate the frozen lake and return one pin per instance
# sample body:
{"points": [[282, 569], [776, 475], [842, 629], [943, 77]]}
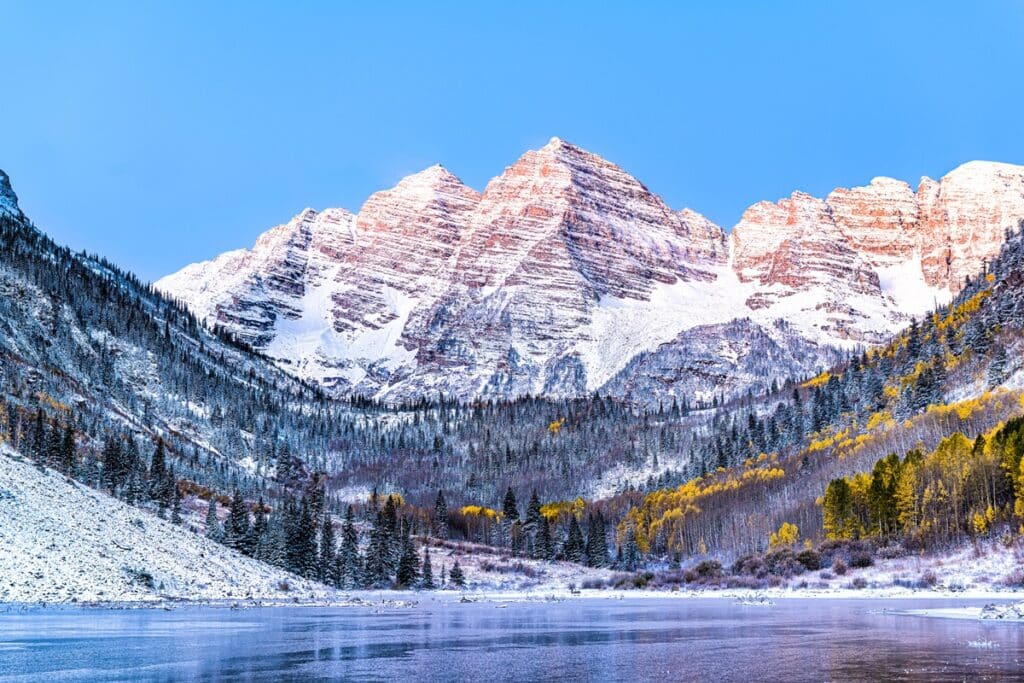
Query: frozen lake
{"points": [[636, 639]]}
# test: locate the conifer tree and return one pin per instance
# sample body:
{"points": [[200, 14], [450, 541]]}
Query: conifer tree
{"points": [[997, 368], [572, 549], [456, 577], [427, 580], [597, 542], [441, 515], [631, 552], [176, 506], [67, 449], [509, 509], [258, 530], [378, 561], [157, 470], [531, 527], [408, 564], [545, 542], [326, 563], [348, 555], [236, 527], [213, 530]]}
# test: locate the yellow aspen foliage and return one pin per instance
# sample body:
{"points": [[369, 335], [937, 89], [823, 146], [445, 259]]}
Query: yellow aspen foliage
{"points": [[979, 523], [561, 509], [787, 536], [818, 381], [480, 511]]}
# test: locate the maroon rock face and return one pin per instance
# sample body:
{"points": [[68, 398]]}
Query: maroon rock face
{"points": [[566, 267]]}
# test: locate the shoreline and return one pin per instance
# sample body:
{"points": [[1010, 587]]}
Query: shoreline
{"points": [[396, 599]]}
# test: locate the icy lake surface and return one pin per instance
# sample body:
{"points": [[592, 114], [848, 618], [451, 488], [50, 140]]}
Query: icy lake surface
{"points": [[636, 639]]}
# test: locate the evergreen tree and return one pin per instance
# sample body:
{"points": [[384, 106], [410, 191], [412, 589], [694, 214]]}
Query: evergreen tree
{"points": [[572, 549], [997, 368], [348, 555], [114, 471], [427, 580], [157, 469], [509, 509], [134, 491], [67, 450], [545, 542], [596, 550], [408, 564], [258, 530], [441, 515], [531, 527], [378, 560], [213, 530], [303, 542], [236, 527], [176, 506], [631, 552], [457, 578], [326, 565]]}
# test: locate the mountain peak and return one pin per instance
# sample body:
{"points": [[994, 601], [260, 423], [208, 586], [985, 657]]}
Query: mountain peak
{"points": [[432, 177], [8, 199]]}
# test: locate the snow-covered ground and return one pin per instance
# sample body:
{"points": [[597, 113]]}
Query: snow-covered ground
{"points": [[64, 542]]}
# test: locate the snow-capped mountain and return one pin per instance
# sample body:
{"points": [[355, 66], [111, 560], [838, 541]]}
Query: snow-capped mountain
{"points": [[566, 268]]}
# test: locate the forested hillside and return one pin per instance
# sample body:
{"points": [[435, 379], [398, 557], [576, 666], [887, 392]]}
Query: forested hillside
{"points": [[919, 420], [120, 388]]}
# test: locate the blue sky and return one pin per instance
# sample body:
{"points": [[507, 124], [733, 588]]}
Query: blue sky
{"points": [[162, 133]]}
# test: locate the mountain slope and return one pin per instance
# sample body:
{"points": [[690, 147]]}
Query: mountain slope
{"points": [[85, 342], [65, 542], [566, 268]]}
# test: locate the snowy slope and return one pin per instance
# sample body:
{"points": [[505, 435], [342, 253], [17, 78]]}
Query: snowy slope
{"points": [[63, 542]]}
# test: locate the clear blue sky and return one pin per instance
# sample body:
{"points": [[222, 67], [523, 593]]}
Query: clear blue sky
{"points": [[163, 133]]}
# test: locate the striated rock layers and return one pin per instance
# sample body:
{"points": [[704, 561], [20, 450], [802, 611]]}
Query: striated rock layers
{"points": [[567, 276]]}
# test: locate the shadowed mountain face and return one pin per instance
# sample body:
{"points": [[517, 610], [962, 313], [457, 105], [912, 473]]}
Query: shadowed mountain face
{"points": [[566, 268]]}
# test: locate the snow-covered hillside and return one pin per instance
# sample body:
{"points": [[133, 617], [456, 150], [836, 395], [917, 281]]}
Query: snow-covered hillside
{"points": [[566, 269], [63, 542]]}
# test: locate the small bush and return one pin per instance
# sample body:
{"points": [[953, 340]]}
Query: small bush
{"points": [[929, 579], [140, 577], [784, 563], [750, 565], [827, 575], [642, 579], [839, 567], [749, 582], [284, 586], [861, 559], [591, 584], [810, 560], [860, 583], [708, 569]]}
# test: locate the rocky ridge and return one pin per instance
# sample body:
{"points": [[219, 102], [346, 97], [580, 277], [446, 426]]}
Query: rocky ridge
{"points": [[566, 275]]}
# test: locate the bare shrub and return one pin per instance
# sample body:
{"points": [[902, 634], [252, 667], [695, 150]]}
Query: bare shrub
{"points": [[1014, 579]]}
